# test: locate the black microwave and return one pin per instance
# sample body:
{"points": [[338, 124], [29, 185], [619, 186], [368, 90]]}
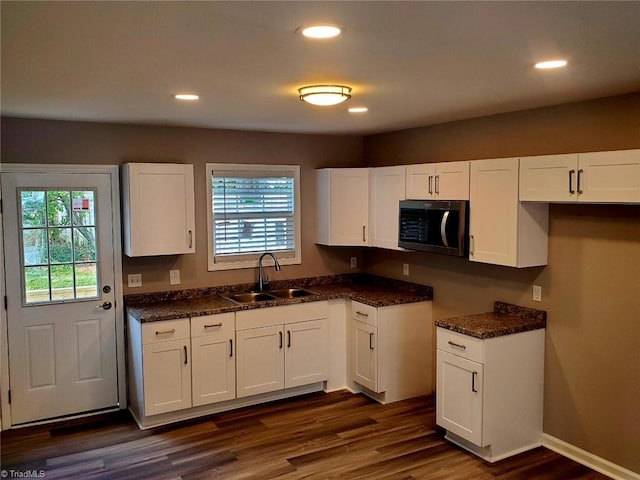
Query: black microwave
{"points": [[437, 226]]}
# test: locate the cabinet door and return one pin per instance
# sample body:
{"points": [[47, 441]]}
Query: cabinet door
{"points": [[420, 179], [452, 181], [386, 191], [459, 396], [167, 376], [365, 355], [493, 225], [306, 352], [260, 360], [159, 212], [213, 369], [610, 176], [343, 206], [549, 178]]}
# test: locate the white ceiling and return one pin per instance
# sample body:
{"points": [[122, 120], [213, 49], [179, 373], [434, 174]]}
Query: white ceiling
{"points": [[411, 63]]}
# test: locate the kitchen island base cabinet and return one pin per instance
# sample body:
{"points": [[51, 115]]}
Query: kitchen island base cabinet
{"points": [[489, 392], [391, 350]]}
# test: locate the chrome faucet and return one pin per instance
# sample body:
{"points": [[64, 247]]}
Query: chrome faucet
{"points": [[263, 281]]}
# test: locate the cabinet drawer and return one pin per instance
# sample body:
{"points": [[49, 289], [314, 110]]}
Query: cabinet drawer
{"points": [[461, 345], [364, 313], [222, 324], [155, 332]]}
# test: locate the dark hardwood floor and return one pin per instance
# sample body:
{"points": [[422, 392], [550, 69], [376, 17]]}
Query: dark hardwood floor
{"points": [[319, 436]]}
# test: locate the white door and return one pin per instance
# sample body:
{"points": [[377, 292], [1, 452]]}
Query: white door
{"points": [[459, 396], [452, 181], [59, 262], [349, 206], [549, 178], [610, 176], [366, 355], [167, 376], [260, 360], [386, 191], [419, 185], [306, 357]]}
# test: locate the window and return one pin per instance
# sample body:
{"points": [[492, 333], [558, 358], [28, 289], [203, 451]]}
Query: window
{"points": [[58, 239], [253, 209]]}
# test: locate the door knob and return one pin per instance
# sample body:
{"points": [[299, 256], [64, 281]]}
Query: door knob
{"points": [[104, 306]]}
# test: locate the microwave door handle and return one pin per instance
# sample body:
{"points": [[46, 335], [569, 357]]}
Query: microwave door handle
{"points": [[443, 228]]}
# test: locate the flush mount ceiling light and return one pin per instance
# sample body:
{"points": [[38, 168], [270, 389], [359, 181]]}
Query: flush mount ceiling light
{"points": [[549, 64], [324, 95], [320, 31], [186, 96]]}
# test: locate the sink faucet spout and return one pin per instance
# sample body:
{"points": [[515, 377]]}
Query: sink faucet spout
{"points": [[263, 280]]}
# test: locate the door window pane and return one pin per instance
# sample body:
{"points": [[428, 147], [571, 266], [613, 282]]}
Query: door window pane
{"points": [[59, 245]]}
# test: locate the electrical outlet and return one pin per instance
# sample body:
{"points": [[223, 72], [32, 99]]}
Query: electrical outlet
{"points": [[537, 293], [354, 262], [174, 277], [405, 269], [135, 280]]}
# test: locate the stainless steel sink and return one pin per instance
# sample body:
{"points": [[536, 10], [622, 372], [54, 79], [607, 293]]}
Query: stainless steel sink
{"points": [[291, 293], [250, 297]]}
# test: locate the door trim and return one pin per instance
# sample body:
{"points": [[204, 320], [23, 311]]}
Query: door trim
{"points": [[114, 173]]}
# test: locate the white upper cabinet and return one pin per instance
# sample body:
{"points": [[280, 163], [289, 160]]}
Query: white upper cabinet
{"points": [[597, 177], [387, 188], [443, 181], [502, 230], [342, 206], [159, 211]]}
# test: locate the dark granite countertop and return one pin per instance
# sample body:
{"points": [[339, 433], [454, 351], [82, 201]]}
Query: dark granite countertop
{"points": [[505, 319], [368, 289]]}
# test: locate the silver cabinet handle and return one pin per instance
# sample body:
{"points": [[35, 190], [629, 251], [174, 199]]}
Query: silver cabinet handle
{"points": [[280, 334], [104, 306], [231, 347], [453, 344], [430, 189], [371, 341], [580, 172], [571, 190], [190, 239], [364, 233], [473, 382], [186, 359], [437, 184], [472, 244], [213, 325], [166, 332], [288, 338], [362, 314], [443, 227]]}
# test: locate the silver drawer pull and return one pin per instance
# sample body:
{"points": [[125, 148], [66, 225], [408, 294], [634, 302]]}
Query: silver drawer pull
{"points": [[453, 344], [213, 325], [362, 314]]}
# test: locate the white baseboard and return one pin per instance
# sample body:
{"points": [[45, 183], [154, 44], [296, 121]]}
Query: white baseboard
{"points": [[588, 459]]}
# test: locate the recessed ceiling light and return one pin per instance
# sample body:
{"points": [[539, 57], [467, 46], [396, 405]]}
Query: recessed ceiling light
{"points": [[320, 31], [324, 95], [186, 96], [358, 110], [551, 64]]}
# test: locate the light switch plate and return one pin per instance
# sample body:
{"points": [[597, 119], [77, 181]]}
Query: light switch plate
{"points": [[174, 277], [354, 262], [405, 269], [537, 293], [134, 280]]}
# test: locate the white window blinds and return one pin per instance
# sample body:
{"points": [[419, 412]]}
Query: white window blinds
{"points": [[253, 211]]}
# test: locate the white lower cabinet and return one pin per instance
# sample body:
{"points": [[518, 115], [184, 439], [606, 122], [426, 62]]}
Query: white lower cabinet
{"points": [[213, 366], [489, 392], [281, 347], [166, 366], [391, 350]]}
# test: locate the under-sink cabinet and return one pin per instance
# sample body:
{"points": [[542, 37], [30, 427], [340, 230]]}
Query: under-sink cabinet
{"points": [[489, 391], [281, 347], [391, 350]]}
